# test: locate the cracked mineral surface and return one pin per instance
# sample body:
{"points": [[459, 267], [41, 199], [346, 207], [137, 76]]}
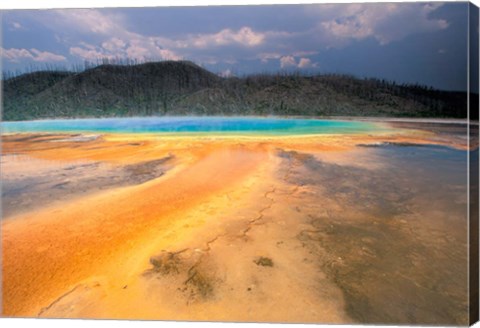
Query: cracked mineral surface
{"points": [[323, 229]]}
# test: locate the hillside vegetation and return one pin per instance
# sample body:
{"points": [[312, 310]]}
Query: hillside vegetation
{"points": [[183, 88]]}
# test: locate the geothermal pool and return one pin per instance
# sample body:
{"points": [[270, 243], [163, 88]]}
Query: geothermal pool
{"points": [[196, 125]]}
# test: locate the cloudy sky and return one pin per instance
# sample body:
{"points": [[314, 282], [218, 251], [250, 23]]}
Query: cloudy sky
{"points": [[405, 42]]}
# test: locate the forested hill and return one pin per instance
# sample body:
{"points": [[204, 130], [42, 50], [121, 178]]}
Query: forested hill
{"points": [[183, 88]]}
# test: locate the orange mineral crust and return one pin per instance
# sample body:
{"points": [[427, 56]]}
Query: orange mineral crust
{"points": [[46, 251], [259, 228]]}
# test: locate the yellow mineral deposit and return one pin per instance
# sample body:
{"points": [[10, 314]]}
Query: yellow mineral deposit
{"points": [[224, 233]]}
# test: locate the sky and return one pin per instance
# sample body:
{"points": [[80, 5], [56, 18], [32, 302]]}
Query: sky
{"points": [[422, 42]]}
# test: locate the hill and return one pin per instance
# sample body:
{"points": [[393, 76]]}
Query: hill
{"points": [[181, 88]]}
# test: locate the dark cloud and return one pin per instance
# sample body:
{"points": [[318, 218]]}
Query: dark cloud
{"points": [[385, 40]]}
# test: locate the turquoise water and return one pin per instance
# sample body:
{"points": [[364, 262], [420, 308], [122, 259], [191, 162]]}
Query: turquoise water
{"points": [[195, 125]]}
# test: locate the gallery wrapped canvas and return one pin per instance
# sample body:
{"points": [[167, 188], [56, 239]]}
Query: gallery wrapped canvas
{"points": [[304, 163]]}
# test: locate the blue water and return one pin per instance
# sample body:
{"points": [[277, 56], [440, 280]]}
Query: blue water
{"points": [[440, 164], [195, 125]]}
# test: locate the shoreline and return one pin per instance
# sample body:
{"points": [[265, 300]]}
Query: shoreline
{"points": [[431, 120]]}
